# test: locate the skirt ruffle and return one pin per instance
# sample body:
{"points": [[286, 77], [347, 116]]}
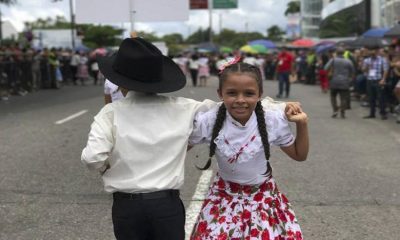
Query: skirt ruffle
{"points": [[234, 211]]}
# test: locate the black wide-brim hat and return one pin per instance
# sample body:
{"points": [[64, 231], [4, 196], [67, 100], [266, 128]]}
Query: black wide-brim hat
{"points": [[140, 66]]}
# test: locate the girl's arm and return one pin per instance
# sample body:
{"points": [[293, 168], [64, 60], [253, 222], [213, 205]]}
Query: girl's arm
{"points": [[299, 149]]}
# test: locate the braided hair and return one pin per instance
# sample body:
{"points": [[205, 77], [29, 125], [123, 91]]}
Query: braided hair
{"points": [[254, 71]]}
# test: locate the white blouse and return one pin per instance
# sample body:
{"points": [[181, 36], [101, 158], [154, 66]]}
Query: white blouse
{"points": [[239, 149]]}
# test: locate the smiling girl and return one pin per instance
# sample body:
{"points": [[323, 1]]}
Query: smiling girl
{"points": [[244, 202]]}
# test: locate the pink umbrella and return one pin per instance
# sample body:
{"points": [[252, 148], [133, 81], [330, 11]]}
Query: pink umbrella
{"points": [[303, 43]]}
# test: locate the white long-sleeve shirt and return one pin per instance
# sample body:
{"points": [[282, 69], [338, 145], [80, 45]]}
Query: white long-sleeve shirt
{"points": [[144, 139]]}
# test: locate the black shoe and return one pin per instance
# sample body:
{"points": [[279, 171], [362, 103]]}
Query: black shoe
{"points": [[278, 96], [342, 115], [369, 116], [384, 117], [334, 115]]}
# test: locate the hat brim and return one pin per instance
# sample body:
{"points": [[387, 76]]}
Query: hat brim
{"points": [[172, 77]]}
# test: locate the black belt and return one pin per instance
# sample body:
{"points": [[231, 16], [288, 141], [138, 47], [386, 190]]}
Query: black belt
{"points": [[147, 196]]}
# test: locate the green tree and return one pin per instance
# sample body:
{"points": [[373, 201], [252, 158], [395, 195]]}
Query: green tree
{"points": [[199, 36], [275, 33], [292, 8], [174, 38], [226, 38], [151, 37], [100, 36]]}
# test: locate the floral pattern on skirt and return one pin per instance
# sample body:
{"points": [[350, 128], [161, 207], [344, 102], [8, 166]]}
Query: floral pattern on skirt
{"points": [[233, 211]]}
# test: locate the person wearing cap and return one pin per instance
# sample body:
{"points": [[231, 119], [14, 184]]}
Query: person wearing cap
{"points": [[342, 72], [139, 143]]}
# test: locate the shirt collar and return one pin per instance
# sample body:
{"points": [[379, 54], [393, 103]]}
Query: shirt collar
{"points": [[231, 120], [133, 94]]}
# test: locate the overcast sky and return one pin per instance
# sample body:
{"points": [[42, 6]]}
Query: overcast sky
{"points": [[251, 15]]}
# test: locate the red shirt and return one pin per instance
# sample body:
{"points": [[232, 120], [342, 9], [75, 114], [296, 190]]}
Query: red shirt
{"points": [[285, 60]]}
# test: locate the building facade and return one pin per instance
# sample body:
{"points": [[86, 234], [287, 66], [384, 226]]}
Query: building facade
{"points": [[390, 12], [311, 17], [351, 18]]}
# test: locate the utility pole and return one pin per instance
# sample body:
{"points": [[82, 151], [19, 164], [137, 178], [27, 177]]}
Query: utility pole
{"points": [[220, 22], [210, 7], [71, 11], [132, 18], [1, 28]]}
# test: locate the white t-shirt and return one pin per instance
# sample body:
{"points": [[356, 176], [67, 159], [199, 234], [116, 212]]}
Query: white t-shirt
{"points": [[112, 89], [247, 168]]}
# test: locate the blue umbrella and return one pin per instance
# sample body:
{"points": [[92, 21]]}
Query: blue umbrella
{"points": [[263, 42], [82, 48], [207, 47], [324, 48], [375, 32]]}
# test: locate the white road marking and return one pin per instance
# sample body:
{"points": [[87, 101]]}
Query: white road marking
{"points": [[197, 200], [75, 115]]}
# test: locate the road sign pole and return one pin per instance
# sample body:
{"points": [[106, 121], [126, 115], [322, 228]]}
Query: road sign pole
{"points": [[210, 7]]}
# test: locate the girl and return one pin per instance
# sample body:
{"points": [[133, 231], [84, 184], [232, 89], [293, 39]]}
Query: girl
{"points": [[244, 202]]}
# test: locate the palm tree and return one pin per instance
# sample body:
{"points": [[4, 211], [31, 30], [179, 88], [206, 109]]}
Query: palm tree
{"points": [[5, 2], [292, 7]]}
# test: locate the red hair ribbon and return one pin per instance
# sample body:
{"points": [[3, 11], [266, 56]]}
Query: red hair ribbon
{"points": [[228, 63]]}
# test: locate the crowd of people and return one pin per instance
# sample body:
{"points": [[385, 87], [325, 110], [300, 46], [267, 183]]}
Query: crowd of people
{"points": [[367, 75], [28, 70]]}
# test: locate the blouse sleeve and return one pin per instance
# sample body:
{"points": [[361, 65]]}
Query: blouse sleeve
{"points": [[279, 131], [100, 141], [202, 127]]}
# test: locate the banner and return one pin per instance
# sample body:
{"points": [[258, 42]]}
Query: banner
{"points": [[117, 11], [198, 4]]}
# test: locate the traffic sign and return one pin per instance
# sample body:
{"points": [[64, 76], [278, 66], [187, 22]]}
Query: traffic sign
{"points": [[224, 4], [198, 4]]}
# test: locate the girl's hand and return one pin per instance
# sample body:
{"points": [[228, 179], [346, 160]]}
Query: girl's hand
{"points": [[300, 117], [292, 108], [294, 113]]}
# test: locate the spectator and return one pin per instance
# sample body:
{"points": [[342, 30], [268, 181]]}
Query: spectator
{"points": [[342, 74], [284, 69], [376, 69]]}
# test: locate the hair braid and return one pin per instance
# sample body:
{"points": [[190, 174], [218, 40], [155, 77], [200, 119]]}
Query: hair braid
{"points": [[219, 122], [262, 129]]}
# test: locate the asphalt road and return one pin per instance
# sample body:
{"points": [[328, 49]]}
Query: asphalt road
{"points": [[347, 189]]}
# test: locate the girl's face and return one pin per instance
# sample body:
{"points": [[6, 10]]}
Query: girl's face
{"points": [[240, 94]]}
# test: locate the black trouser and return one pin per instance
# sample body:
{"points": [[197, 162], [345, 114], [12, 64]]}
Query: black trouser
{"points": [[344, 97], [376, 92], [74, 71], [149, 216], [193, 74]]}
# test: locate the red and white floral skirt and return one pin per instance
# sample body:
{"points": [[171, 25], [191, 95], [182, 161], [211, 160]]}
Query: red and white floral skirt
{"points": [[233, 211]]}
